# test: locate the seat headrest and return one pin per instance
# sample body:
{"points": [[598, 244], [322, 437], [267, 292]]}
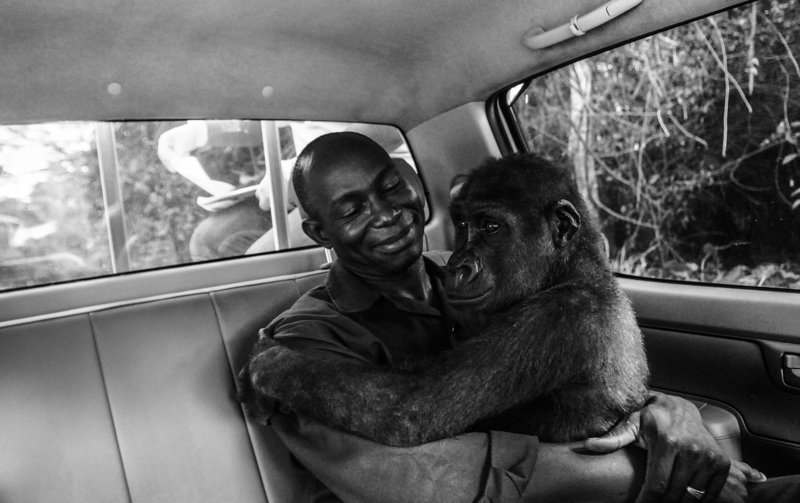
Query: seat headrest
{"points": [[403, 167]]}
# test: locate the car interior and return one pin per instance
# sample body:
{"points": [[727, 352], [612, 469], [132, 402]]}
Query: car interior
{"points": [[118, 381]]}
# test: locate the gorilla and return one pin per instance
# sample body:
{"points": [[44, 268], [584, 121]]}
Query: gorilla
{"points": [[555, 350]]}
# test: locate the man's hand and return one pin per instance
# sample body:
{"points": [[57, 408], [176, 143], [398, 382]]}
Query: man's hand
{"points": [[682, 453]]}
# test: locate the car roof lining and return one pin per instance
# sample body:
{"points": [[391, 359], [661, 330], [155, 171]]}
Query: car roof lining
{"points": [[275, 59]]}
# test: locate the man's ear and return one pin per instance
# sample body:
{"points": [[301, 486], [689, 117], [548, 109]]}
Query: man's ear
{"points": [[313, 229], [564, 222]]}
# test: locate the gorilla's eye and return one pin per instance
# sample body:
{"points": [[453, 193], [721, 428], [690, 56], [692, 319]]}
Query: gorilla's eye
{"points": [[490, 227], [461, 225]]}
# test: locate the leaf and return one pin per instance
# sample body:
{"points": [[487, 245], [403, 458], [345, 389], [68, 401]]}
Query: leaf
{"points": [[736, 274], [789, 158]]}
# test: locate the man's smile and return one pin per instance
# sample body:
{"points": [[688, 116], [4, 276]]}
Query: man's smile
{"points": [[397, 241]]}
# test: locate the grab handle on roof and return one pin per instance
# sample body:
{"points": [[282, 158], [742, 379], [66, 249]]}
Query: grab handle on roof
{"points": [[536, 39]]}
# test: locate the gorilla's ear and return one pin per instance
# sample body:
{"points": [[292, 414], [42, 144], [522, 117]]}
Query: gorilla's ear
{"points": [[456, 185], [565, 222]]}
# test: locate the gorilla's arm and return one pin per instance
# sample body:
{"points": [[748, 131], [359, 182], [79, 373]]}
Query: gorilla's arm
{"points": [[440, 397]]}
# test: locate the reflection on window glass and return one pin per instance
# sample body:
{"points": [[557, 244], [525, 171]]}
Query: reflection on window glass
{"points": [[687, 144], [82, 199]]}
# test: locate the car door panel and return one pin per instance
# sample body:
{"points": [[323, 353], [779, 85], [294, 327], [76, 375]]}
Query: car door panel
{"points": [[697, 348]]}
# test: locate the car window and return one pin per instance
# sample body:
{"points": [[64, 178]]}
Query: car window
{"points": [[85, 199], [686, 144]]}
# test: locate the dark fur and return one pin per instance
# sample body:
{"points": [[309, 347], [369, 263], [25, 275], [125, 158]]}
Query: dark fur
{"points": [[560, 357]]}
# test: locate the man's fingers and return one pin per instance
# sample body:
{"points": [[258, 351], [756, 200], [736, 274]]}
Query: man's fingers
{"points": [[714, 487], [712, 473], [659, 468], [698, 488], [682, 478]]}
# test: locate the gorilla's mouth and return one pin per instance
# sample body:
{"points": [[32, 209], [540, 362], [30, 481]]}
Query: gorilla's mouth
{"points": [[463, 300]]}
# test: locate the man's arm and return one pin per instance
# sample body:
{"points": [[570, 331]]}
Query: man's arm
{"points": [[671, 429], [494, 466], [681, 452], [674, 423]]}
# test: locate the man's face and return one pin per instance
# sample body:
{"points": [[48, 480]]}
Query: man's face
{"points": [[368, 213]]}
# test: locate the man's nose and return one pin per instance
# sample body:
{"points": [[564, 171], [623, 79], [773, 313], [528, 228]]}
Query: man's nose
{"points": [[383, 212]]}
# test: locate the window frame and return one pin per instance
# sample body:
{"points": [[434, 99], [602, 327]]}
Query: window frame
{"points": [[504, 123], [111, 199]]}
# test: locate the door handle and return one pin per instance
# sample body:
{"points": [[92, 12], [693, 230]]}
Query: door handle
{"points": [[791, 369], [782, 362]]}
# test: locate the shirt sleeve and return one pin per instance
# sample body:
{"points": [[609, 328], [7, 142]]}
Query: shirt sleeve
{"points": [[482, 467], [312, 325]]}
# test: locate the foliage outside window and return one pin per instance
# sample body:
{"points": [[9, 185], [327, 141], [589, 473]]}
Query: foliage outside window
{"points": [[686, 143], [190, 191]]}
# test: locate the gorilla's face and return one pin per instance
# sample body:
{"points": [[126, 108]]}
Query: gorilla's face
{"points": [[513, 231], [494, 263]]}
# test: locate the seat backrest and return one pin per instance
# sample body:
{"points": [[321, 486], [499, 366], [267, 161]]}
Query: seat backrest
{"points": [[138, 402]]}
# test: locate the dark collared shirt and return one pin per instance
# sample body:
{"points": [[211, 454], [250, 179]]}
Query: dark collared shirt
{"points": [[351, 320], [347, 317]]}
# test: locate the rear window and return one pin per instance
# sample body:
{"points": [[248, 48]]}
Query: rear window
{"points": [[686, 144], [83, 199]]}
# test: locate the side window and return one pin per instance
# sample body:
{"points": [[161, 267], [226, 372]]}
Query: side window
{"points": [[686, 144], [81, 199]]}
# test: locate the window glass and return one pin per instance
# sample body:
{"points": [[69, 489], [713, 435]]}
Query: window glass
{"points": [[81, 199], [686, 143]]}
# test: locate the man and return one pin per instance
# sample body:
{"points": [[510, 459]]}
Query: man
{"points": [[383, 302]]}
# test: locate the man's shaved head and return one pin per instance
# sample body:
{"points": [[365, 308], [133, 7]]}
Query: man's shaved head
{"points": [[329, 150]]}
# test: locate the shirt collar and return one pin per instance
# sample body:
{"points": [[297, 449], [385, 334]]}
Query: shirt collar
{"points": [[350, 295]]}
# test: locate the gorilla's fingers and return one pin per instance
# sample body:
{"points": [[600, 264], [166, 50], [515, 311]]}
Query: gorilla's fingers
{"points": [[624, 433]]}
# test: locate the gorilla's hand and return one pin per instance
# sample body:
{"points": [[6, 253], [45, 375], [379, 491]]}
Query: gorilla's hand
{"points": [[259, 381], [344, 393]]}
